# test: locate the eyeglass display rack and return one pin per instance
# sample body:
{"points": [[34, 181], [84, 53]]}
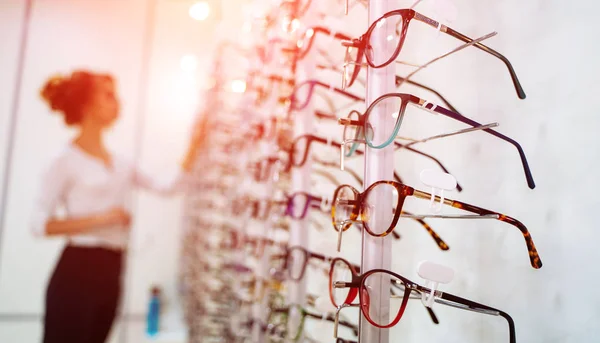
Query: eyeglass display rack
{"points": [[238, 223], [207, 287]]}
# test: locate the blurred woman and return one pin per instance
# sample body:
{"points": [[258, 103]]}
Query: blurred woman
{"points": [[92, 185]]}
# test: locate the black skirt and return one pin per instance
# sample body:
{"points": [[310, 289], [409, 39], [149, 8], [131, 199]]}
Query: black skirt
{"points": [[83, 295]]}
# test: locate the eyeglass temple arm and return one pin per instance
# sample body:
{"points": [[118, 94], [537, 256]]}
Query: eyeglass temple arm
{"points": [[465, 304], [325, 31], [331, 318], [438, 162], [340, 91], [400, 79], [534, 257], [463, 119], [432, 314], [345, 121], [438, 240], [461, 37]]}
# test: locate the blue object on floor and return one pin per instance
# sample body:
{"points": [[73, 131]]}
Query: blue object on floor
{"points": [[152, 319]]}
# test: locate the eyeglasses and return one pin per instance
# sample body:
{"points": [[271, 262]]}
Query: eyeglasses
{"points": [[397, 23], [264, 87], [344, 292], [303, 92], [264, 168], [438, 240], [279, 318], [305, 44], [298, 153], [362, 126], [340, 269], [299, 203], [270, 128], [349, 206], [296, 259]]}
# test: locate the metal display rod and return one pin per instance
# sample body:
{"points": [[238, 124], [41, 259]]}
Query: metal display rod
{"points": [[379, 165]]}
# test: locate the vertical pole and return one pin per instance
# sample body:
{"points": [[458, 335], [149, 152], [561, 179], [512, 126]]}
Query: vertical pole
{"points": [[14, 113], [261, 308], [299, 229], [138, 146], [379, 165]]}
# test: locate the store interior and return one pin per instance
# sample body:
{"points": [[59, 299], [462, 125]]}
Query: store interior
{"points": [[375, 171]]}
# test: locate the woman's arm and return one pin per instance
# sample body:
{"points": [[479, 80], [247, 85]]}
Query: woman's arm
{"points": [[193, 148], [72, 226], [179, 182]]}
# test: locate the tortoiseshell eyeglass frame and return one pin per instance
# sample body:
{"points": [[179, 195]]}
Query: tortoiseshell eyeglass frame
{"points": [[363, 123], [359, 215], [439, 241], [362, 44]]}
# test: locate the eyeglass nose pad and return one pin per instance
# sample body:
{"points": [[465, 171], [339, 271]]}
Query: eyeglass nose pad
{"points": [[351, 295], [343, 149], [340, 232], [342, 154], [365, 301], [336, 322]]}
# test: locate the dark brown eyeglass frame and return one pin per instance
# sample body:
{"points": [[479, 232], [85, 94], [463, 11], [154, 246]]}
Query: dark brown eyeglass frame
{"points": [[405, 191], [362, 44]]}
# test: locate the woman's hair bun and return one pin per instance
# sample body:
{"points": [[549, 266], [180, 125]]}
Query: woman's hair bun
{"points": [[70, 94], [55, 93]]}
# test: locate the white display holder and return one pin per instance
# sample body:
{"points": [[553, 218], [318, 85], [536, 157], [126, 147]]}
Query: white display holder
{"points": [[379, 165], [439, 182], [433, 274]]}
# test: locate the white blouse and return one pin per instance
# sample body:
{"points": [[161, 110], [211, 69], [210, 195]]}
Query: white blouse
{"points": [[85, 186]]}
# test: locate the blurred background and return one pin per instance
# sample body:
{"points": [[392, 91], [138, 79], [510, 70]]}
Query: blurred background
{"points": [[163, 55]]}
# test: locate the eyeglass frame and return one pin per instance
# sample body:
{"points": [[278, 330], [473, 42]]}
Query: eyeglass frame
{"points": [[403, 192]]}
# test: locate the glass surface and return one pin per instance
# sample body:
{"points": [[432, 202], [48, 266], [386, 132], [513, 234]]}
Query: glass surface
{"points": [[384, 198], [379, 135], [388, 31]]}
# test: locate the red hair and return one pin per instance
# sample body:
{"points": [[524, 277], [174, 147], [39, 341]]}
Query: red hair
{"points": [[70, 94]]}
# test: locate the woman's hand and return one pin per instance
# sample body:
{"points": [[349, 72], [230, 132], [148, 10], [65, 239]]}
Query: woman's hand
{"points": [[196, 141], [196, 137], [118, 216]]}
